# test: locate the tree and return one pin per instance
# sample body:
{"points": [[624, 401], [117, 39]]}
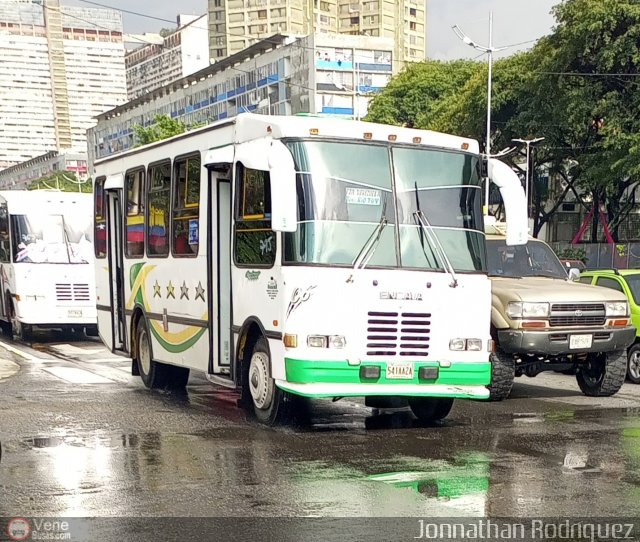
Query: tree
{"points": [[415, 92], [66, 181], [163, 127]]}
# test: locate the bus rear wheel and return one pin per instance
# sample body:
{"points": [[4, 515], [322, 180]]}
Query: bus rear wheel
{"points": [[271, 405], [154, 374], [430, 409]]}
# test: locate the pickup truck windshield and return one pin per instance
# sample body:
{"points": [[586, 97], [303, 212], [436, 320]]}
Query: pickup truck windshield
{"points": [[535, 259]]}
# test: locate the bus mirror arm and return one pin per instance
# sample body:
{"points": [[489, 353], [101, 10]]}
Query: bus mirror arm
{"points": [[514, 201], [282, 174]]}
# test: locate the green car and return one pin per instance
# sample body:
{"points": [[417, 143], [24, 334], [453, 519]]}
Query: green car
{"points": [[626, 281]]}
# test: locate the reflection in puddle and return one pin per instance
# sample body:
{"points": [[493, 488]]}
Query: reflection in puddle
{"points": [[462, 484]]}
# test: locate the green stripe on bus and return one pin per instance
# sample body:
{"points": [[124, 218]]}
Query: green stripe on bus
{"points": [[340, 372]]}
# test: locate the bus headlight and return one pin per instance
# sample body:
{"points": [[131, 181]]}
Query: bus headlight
{"points": [[326, 341], [460, 345], [520, 309], [616, 308]]}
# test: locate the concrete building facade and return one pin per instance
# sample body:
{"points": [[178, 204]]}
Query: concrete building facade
{"points": [[237, 24], [181, 53], [22, 175], [282, 75], [61, 67]]}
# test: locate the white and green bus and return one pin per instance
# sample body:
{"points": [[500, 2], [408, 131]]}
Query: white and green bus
{"points": [[302, 256]]}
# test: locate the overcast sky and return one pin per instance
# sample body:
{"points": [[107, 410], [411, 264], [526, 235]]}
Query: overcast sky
{"points": [[514, 21]]}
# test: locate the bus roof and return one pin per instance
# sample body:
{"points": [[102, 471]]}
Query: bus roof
{"points": [[250, 126], [35, 201]]}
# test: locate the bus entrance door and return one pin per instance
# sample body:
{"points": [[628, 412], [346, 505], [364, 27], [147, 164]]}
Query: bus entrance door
{"points": [[219, 233], [116, 269]]}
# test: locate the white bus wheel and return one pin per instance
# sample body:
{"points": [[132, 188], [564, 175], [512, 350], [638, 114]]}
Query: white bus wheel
{"points": [[270, 404]]}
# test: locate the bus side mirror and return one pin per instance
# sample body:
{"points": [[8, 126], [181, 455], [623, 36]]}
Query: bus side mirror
{"points": [[282, 172], [515, 204]]}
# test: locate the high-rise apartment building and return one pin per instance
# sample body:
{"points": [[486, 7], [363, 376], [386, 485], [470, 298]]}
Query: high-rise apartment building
{"points": [[176, 55], [236, 24], [61, 67]]}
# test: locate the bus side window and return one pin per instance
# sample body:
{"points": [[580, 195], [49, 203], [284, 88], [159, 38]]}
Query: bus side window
{"points": [[186, 206], [100, 220], [158, 197], [134, 184], [5, 244], [255, 242]]}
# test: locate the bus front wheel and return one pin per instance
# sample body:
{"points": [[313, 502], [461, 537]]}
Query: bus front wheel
{"points": [[271, 405]]}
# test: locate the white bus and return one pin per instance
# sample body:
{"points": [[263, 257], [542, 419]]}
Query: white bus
{"points": [[46, 262], [302, 256]]}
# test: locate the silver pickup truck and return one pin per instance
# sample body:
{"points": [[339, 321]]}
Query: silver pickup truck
{"points": [[541, 320]]}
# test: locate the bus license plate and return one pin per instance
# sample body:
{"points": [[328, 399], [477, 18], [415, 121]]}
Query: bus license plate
{"points": [[580, 341], [400, 371], [74, 313]]}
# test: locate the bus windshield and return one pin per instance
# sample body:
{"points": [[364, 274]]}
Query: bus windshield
{"points": [[51, 239], [345, 190]]}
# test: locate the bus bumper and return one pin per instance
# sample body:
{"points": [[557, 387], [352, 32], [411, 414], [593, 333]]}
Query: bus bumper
{"points": [[341, 379]]}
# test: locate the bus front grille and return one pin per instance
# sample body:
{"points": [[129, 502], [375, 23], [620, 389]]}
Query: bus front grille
{"points": [[72, 292], [394, 334]]}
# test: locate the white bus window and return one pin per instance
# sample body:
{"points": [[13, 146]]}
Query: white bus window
{"points": [[186, 223], [158, 199], [100, 220], [134, 182], [255, 242]]}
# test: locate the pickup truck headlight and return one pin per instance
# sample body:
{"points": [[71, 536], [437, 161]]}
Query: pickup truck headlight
{"points": [[614, 309], [525, 309]]}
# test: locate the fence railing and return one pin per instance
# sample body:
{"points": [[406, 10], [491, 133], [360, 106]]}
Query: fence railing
{"points": [[606, 255]]}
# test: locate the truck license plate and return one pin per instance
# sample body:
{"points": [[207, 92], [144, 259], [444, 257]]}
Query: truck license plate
{"points": [[400, 371], [74, 313], [580, 341]]}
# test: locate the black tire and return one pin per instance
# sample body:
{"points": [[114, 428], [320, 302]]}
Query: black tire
{"points": [[603, 373], [430, 409], [633, 363], [156, 375], [270, 404], [503, 372]]}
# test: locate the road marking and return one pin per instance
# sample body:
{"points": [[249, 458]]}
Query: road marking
{"points": [[71, 349], [78, 376], [19, 352], [7, 369]]}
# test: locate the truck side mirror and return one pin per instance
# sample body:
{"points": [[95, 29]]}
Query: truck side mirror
{"points": [[574, 274]]}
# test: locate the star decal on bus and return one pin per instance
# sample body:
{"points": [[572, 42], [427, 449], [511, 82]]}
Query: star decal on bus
{"points": [[184, 290], [171, 291], [156, 289], [200, 291]]}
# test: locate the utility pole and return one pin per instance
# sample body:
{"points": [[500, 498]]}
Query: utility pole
{"points": [[528, 177]]}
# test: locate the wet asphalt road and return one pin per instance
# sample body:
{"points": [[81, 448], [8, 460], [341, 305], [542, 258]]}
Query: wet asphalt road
{"points": [[109, 447]]}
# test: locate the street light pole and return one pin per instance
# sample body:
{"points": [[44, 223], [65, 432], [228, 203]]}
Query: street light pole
{"points": [[490, 49], [528, 143]]}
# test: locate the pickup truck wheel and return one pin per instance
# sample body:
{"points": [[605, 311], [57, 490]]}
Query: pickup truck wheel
{"points": [[633, 364], [603, 374], [503, 371]]}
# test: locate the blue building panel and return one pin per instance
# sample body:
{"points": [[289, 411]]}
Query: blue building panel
{"points": [[374, 67], [334, 64], [337, 110]]}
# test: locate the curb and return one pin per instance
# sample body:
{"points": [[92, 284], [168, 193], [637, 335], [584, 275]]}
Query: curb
{"points": [[8, 369]]}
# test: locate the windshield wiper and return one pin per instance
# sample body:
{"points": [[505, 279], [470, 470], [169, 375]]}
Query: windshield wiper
{"points": [[426, 229], [370, 246]]}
